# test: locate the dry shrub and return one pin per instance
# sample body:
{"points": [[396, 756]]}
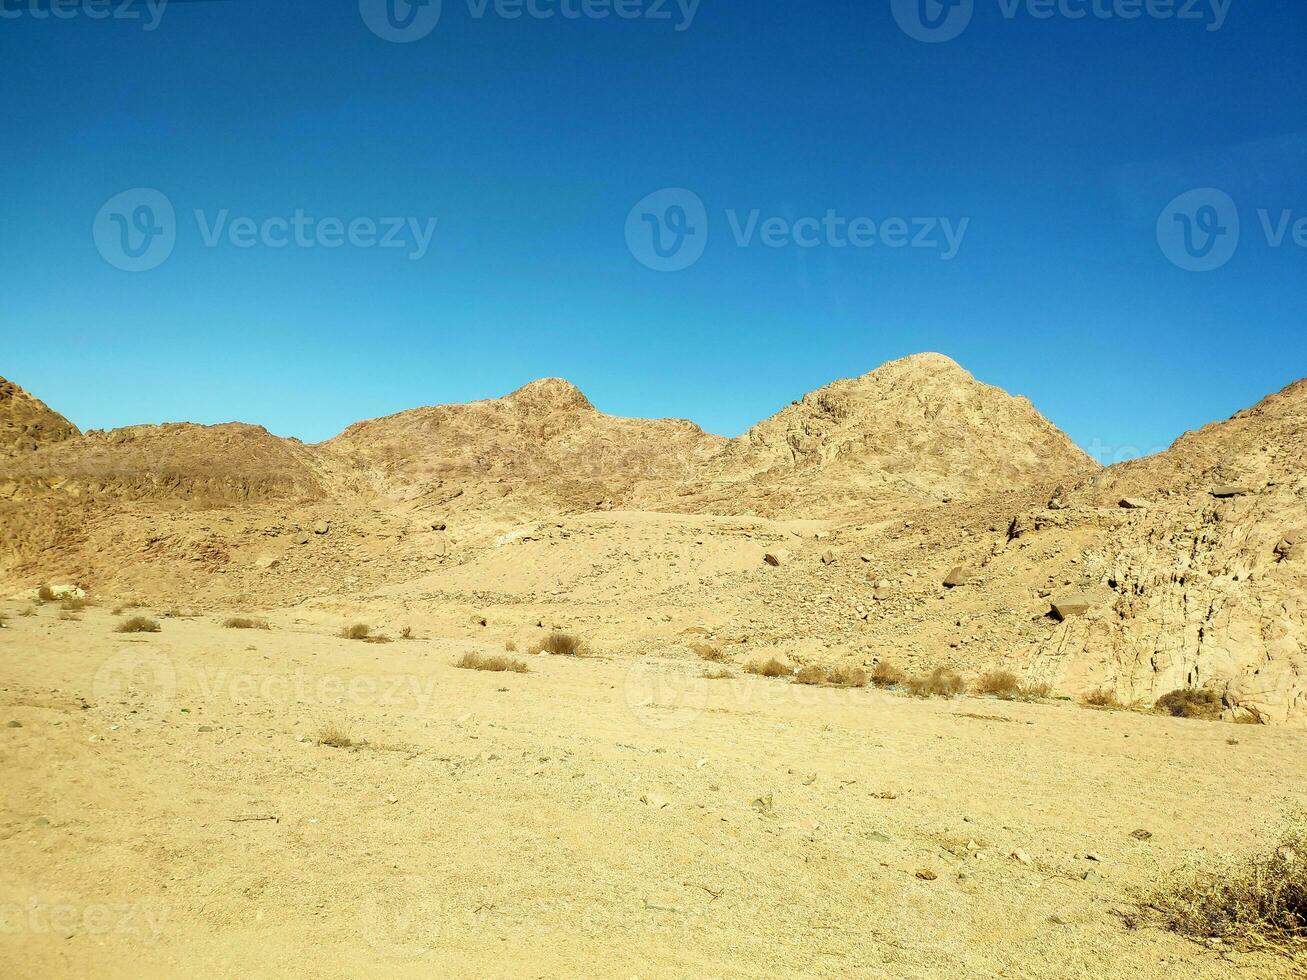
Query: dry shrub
{"points": [[123, 607], [811, 675], [771, 667], [69, 617], [1259, 902], [334, 736], [706, 651], [475, 661], [246, 623], [1002, 684], [560, 645], [73, 603], [717, 674], [847, 677], [885, 674], [407, 633], [46, 594], [362, 631], [29, 611], [1104, 697], [1190, 703], [137, 624], [510, 646], [939, 683], [1036, 691]]}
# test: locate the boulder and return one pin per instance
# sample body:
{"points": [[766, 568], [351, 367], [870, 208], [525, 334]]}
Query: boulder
{"points": [[960, 575], [1071, 605]]}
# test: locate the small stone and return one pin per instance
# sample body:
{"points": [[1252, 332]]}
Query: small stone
{"points": [[925, 874], [775, 558], [764, 805], [1225, 492], [322, 527], [1022, 857], [1071, 605], [1092, 856], [958, 576], [14, 724], [438, 526], [206, 728], [1134, 503], [1142, 834], [828, 557], [1090, 875]]}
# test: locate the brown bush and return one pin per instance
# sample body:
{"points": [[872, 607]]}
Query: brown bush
{"points": [[847, 677], [771, 667], [939, 683], [74, 603], [811, 675], [46, 594], [1104, 697], [1259, 902], [407, 633], [717, 674], [1188, 702], [334, 736], [560, 645], [362, 631], [1000, 684], [137, 624], [246, 623], [885, 674], [1036, 691], [475, 661], [706, 651]]}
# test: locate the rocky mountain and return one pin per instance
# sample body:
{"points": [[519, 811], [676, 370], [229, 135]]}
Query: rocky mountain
{"points": [[27, 423]]}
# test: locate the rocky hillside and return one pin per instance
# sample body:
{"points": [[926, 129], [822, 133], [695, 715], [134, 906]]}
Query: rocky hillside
{"points": [[27, 423]]}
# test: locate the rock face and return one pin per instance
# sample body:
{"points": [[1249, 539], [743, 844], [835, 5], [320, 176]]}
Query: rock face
{"points": [[27, 423], [1206, 592]]}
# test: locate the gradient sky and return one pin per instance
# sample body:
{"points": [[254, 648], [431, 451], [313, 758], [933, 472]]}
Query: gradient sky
{"points": [[1061, 141]]}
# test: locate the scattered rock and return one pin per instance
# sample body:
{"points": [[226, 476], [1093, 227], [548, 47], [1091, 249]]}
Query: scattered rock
{"points": [[959, 576], [925, 874], [653, 800], [1058, 501], [322, 527], [1134, 503], [1141, 834], [439, 526], [775, 558], [1022, 857], [1071, 605], [828, 558], [764, 805], [1225, 492]]}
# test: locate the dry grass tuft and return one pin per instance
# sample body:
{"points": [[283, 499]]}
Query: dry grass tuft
{"points": [[1001, 684], [69, 617], [710, 653], [46, 594], [335, 737], [560, 645], [407, 633], [362, 631], [1258, 903], [717, 674], [771, 667], [811, 675], [246, 623], [847, 677], [939, 683], [476, 661], [1104, 697], [29, 611], [137, 624], [885, 674], [1037, 691], [1188, 702], [73, 603], [510, 646]]}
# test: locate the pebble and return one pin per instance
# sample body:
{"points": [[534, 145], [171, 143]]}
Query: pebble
{"points": [[925, 874], [14, 724]]}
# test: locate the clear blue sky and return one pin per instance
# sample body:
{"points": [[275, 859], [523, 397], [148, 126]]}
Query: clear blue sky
{"points": [[1060, 140]]}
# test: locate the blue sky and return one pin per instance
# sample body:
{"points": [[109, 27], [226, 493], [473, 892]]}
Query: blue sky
{"points": [[1060, 141]]}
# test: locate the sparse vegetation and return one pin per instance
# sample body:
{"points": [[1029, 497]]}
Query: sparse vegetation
{"points": [[771, 667], [335, 737], [559, 645], [1037, 691], [1001, 684], [510, 646], [476, 661], [123, 607], [74, 603], [137, 624], [885, 674], [939, 683], [246, 623], [811, 675], [1189, 702], [407, 633], [710, 653], [847, 677], [46, 594], [1104, 697], [1259, 902], [69, 617], [717, 674], [29, 611], [362, 631]]}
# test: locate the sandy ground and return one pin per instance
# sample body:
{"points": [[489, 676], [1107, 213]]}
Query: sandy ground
{"points": [[167, 810]]}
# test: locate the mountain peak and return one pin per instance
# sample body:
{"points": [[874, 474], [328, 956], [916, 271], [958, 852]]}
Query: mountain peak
{"points": [[549, 394], [27, 423]]}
